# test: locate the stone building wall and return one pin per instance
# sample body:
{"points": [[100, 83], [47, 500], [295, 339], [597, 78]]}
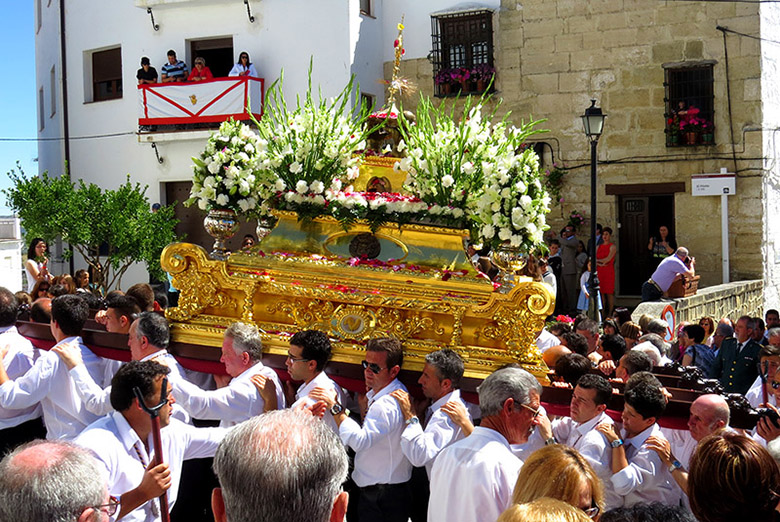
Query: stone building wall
{"points": [[552, 56]]}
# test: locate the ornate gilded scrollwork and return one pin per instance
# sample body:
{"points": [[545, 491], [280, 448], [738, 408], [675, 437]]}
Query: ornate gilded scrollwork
{"points": [[403, 323], [304, 314]]}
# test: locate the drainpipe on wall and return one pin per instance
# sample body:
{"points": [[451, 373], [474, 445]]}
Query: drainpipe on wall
{"points": [[65, 121]]}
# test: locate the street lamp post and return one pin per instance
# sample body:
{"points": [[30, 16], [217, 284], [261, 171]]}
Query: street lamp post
{"points": [[593, 122]]}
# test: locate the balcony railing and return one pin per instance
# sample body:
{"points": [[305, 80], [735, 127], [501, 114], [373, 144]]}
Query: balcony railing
{"points": [[196, 104]]}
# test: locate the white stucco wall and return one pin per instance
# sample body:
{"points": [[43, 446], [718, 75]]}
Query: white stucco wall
{"points": [[770, 95]]}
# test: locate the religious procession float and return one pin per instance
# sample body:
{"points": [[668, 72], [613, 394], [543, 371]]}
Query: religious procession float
{"points": [[363, 224]]}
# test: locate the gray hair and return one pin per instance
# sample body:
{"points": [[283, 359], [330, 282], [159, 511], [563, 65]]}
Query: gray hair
{"points": [[681, 252], [503, 384], [726, 330], [657, 326], [284, 465], [651, 351], [246, 338], [154, 327], [773, 332], [51, 481], [657, 341], [448, 365]]}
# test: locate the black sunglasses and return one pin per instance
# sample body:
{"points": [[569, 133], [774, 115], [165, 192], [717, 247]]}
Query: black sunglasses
{"points": [[374, 367]]}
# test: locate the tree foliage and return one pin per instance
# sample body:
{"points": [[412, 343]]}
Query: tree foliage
{"points": [[111, 229]]}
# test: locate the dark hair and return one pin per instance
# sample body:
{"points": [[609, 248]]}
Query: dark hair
{"points": [[155, 328], [161, 298], [390, 346], [636, 361], [648, 512], [448, 365], [607, 229], [591, 381], [588, 325], [572, 366], [695, 332], [124, 306], [732, 477], [70, 312], [647, 400], [315, 346], [145, 60], [559, 327], [771, 311], [622, 314], [33, 244], [248, 60], [759, 323], [642, 378], [614, 344], [575, 342], [135, 374], [78, 275], [58, 290], [171, 52], [9, 307], [143, 295], [555, 242], [39, 312], [93, 301], [611, 323]]}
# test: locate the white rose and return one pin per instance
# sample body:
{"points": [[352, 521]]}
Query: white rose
{"points": [[203, 204], [214, 167], [447, 181], [301, 187], [526, 201], [457, 212], [488, 231], [317, 187], [222, 200], [504, 234], [295, 167]]}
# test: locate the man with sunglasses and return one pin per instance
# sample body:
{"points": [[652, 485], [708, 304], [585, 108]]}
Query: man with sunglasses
{"points": [[307, 356], [241, 399], [473, 479], [382, 472], [123, 442], [769, 363], [53, 480]]}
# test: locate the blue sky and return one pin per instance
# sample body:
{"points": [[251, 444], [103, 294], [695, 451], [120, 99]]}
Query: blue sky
{"points": [[17, 99]]}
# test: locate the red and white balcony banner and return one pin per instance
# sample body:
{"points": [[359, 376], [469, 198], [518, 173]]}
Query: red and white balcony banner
{"points": [[202, 102]]}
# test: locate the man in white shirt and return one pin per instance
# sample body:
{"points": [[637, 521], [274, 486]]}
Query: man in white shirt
{"points": [[262, 475], [639, 475], [587, 410], [381, 470], [148, 341], [709, 413], [421, 442], [473, 479], [242, 350], [119, 315], [307, 356], [123, 442], [16, 426], [769, 362], [53, 481], [48, 381]]}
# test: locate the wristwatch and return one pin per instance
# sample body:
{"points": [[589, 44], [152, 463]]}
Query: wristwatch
{"points": [[616, 443], [675, 465], [413, 420], [550, 441], [336, 409]]}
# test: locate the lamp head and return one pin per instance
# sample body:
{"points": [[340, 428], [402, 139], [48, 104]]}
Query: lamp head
{"points": [[593, 121]]}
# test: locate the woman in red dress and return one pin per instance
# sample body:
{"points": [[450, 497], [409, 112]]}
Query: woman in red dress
{"points": [[605, 266]]}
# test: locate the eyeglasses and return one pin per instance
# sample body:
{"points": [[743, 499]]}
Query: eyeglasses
{"points": [[374, 367], [293, 359], [110, 508], [592, 511], [536, 411], [775, 385]]}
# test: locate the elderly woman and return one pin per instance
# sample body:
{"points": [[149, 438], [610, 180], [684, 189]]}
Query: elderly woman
{"points": [[200, 72]]}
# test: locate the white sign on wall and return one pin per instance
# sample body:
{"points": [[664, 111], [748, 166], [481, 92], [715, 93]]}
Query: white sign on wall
{"points": [[714, 184]]}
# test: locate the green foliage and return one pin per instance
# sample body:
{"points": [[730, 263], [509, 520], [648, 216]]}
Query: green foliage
{"points": [[88, 217]]}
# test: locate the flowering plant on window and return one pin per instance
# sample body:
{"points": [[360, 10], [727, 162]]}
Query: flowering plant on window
{"points": [[482, 71], [460, 74], [444, 76], [224, 174], [553, 182]]}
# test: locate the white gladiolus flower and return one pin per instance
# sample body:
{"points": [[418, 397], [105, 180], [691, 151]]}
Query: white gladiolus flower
{"points": [[457, 212], [520, 186], [243, 205], [336, 185], [280, 185], [531, 228], [296, 167], [203, 204], [301, 187], [488, 231], [504, 234], [317, 186], [526, 201], [406, 163], [214, 167], [209, 182], [353, 173], [468, 168], [401, 146], [447, 181], [222, 200], [516, 240]]}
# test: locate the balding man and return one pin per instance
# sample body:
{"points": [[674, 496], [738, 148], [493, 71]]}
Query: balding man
{"points": [[266, 474], [53, 481], [678, 263], [709, 413]]}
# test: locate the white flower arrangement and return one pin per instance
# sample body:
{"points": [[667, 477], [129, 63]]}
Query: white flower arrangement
{"points": [[224, 176]]}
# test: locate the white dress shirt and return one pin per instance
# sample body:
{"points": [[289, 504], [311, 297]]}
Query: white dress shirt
{"points": [[645, 479], [756, 397], [473, 479], [241, 68], [546, 340], [236, 402], [118, 447], [594, 447], [20, 357], [48, 382], [377, 444], [321, 380], [98, 400], [422, 447]]}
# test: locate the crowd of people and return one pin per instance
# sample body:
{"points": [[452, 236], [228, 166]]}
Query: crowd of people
{"points": [[315, 451]]}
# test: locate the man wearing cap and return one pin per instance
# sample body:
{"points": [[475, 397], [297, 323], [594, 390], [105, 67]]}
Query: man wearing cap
{"points": [[147, 73]]}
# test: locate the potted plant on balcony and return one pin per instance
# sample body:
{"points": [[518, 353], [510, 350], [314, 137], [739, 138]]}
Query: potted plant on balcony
{"points": [[483, 74], [444, 80], [707, 132], [691, 129], [673, 130]]}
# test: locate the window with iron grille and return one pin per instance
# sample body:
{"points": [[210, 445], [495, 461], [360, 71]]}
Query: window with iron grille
{"points": [[689, 103], [462, 52]]}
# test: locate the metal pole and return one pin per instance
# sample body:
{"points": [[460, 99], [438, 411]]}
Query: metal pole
{"points": [[724, 234], [593, 283]]}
